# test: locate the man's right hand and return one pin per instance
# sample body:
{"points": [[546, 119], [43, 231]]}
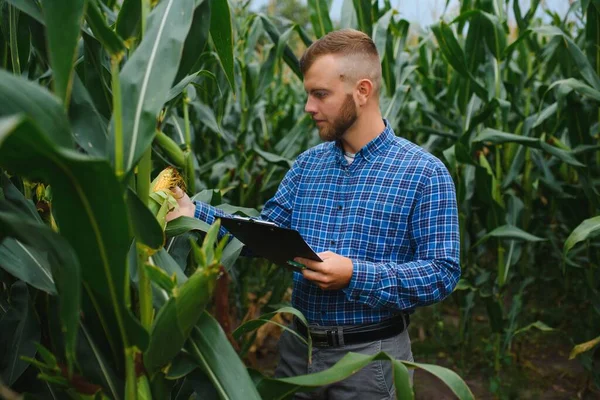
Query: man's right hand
{"points": [[186, 206]]}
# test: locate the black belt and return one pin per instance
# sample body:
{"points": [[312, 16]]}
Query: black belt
{"points": [[339, 336]]}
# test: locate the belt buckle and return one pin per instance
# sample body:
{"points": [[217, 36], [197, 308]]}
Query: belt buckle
{"points": [[328, 337], [335, 337]]}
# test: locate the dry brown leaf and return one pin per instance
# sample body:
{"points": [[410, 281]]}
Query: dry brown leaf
{"points": [[583, 347]]}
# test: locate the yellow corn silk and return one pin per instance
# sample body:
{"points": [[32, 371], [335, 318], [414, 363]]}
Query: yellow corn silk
{"points": [[162, 199]]}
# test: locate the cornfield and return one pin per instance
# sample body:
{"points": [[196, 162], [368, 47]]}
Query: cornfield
{"points": [[101, 298]]}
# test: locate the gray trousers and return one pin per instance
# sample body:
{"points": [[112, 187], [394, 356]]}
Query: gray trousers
{"points": [[373, 382]]}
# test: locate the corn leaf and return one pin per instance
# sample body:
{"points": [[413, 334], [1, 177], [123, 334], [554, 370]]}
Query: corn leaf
{"points": [[588, 229], [23, 261], [196, 40], [57, 267], [563, 155], [128, 19], [212, 351], [509, 232], [18, 95], [319, 16], [163, 260], [29, 7], [455, 56], [175, 320], [181, 366], [96, 76], [146, 228], [243, 211], [348, 18], [221, 33], [89, 127], [494, 136], [27, 264], [16, 198], [266, 319], [567, 85], [147, 76], [380, 33], [208, 244], [91, 217], [288, 55], [231, 253], [185, 224], [449, 377], [363, 15], [494, 33], [207, 116], [537, 325], [20, 332], [277, 388], [267, 70], [159, 277], [273, 158], [577, 56], [63, 20], [109, 39], [93, 364], [303, 35], [17, 258]]}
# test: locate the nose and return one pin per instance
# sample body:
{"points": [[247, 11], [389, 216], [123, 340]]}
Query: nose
{"points": [[310, 106]]}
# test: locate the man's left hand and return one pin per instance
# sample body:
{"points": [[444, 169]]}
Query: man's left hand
{"points": [[333, 273]]}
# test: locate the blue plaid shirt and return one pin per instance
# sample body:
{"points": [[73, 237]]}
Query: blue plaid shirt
{"points": [[392, 212]]}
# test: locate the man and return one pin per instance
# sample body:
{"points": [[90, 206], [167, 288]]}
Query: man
{"points": [[380, 211]]}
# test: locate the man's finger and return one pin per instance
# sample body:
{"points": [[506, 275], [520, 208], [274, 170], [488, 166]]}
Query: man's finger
{"points": [[177, 192], [308, 263], [313, 276], [325, 254]]}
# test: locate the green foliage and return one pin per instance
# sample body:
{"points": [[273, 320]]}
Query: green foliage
{"points": [[99, 296], [216, 92]]}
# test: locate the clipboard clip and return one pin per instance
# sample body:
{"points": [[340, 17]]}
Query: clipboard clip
{"points": [[254, 220]]}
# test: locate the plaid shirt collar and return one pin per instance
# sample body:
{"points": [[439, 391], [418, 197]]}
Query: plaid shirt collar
{"points": [[371, 149]]}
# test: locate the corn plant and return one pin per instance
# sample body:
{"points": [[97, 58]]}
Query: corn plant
{"points": [[525, 154], [97, 298]]}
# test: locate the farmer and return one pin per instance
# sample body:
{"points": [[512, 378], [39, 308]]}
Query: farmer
{"points": [[380, 211]]}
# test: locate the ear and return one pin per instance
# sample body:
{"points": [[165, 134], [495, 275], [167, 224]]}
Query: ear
{"points": [[363, 91]]}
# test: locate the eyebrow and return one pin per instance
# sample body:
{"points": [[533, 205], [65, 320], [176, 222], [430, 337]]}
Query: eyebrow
{"points": [[311, 91]]}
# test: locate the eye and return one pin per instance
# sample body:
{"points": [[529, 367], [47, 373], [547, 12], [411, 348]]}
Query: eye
{"points": [[320, 94]]}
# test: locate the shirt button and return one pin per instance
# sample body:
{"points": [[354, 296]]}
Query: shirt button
{"points": [[333, 242], [339, 207]]}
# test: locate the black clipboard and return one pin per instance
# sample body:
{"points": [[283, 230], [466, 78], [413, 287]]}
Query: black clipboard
{"points": [[268, 240]]}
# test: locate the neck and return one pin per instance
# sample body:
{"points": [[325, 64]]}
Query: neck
{"points": [[367, 127]]}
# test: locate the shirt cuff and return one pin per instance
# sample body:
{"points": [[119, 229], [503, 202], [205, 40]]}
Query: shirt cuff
{"points": [[208, 214], [365, 276], [198, 209], [205, 212]]}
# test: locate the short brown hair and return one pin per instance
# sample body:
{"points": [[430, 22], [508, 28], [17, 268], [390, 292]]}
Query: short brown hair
{"points": [[344, 42]]}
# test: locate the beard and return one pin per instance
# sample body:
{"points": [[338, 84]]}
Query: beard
{"points": [[335, 130]]}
